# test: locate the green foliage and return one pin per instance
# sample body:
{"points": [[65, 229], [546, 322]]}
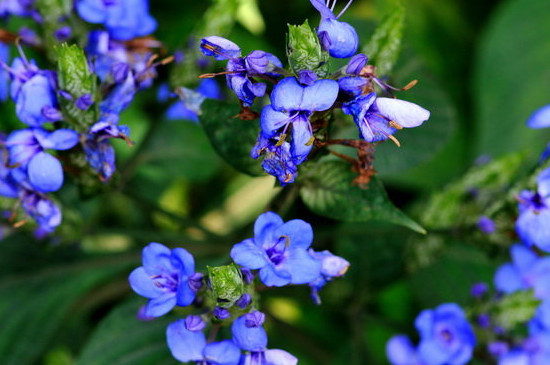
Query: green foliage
{"points": [[515, 309], [385, 44], [304, 50], [122, 339], [75, 77], [327, 189], [512, 78], [232, 138], [227, 284], [53, 10]]}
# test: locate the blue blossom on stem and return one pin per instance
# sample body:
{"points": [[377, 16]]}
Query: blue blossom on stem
{"points": [[540, 118], [165, 279], [486, 225], [279, 251], [187, 342], [339, 38], [446, 337], [401, 351], [331, 266], [42, 209], [240, 70], [378, 118], [26, 149], [526, 271], [533, 223], [124, 19], [292, 104], [278, 160]]}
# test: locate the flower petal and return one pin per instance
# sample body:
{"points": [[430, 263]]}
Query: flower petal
{"points": [[320, 95], [279, 357], [287, 95], [404, 113], [248, 255], [183, 261], [61, 139], [303, 268], [222, 353], [142, 284], [264, 227], [301, 140], [248, 338], [540, 118], [185, 345], [159, 306], [45, 173], [156, 258], [507, 279], [185, 295], [299, 232], [271, 121]]}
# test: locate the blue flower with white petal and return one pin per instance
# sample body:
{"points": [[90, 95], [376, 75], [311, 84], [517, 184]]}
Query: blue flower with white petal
{"points": [[279, 251], [401, 351], [339, 38], [167, 278], [378, 118], [332, 266], [187, 342]]}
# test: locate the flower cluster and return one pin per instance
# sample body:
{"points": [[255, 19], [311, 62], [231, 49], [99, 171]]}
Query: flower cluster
{"points": [[52, 109], [302, 98], [280, 252]]}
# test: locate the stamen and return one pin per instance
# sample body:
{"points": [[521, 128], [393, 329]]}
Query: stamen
{"points": [[310, 142], [333, 5], [20, 223], [345, 8], [410, 85], [281, 140], [395, 125], [394, 140], [21, 53], [211, 75]]}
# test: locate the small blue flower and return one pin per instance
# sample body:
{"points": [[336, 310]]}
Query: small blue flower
{"points": [[446, 337], [341, 38], [187, 342], [526, 271], [332, 266], [533, 223], [164, 279], [249, 333], [44, 211], [479, 290], [26, 151], [486, 225], [239, 70], [540, 118], [279, 251], [291, 105], [278, 160], [378, 118], [124, 19]]}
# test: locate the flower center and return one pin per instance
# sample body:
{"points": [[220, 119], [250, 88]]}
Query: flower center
{"points": [[167, 281], [276, 253]]}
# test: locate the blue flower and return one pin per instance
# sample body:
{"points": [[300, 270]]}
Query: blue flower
{"points": [[33, 91], [486, 225], [26, 151], [526, 271], [378, 118], [187, 342], [278, 160], [279, 251], [331, 266], [165, 279], [401, 351], [189, 107], [239, 70], [339, 38], [446, 337], [42, 209], [249, 335], [16, 7], [533, 223], [293, 104], [534, 350], [541, 321], [124, 19], [540, 118]]}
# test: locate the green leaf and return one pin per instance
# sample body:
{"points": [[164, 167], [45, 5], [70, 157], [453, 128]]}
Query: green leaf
{"points": [[328, 190], [53, 10], [232, 138], [385, 44], [511, 78], [227, 284], [34, 307], [304, 50], [75, 76], [122, 339], [515, 309]]}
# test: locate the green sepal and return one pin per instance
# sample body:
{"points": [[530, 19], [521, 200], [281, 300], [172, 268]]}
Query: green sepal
{"points": [[75, 77], [226, 283], [304, 51], [515, 309]]}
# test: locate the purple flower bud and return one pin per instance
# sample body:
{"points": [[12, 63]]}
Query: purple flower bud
{"points": [[254, 319], [484, 320], [306, 77], [498, 348], [244, 301], [84, 102], [51, 113], [248, 277], [194, 323], [195, 281], [63, 33], [478, 290], [221, 313], [356, 64], [65, 95]]}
